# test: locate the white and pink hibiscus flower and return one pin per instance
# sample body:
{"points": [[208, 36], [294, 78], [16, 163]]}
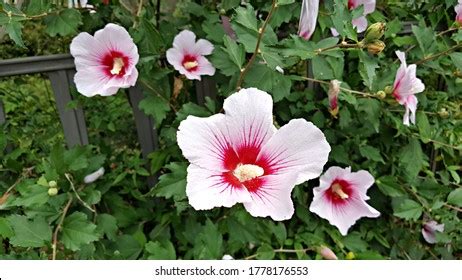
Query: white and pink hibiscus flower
{"points": [[458, 9], [105, 62], [405, 87], [308, 18], [341, 197], [188, 56], [240, 156], [429, 230], [359, 23]]}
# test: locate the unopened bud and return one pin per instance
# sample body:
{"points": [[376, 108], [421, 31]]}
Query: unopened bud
{"points": [[52, 184], [374, 32], [327, 253], [381, 94], [52, 191], [334, 90], [375, 47], [350, 256], [90, 178], [227, 258], [443, 113], [388, 90]]}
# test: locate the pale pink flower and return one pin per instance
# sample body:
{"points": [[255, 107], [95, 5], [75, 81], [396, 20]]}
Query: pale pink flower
{"points": [[188, 56], [341, 197], [361, 22], [458, 9], [240, 156], [429, 230], [405, 87], [104, 62], [308, 18]]}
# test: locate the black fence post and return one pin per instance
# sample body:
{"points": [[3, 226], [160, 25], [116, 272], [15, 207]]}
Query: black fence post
{"points": [[72, 120]]}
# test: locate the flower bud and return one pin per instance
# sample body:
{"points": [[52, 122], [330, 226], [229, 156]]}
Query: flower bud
{"points": [[381, 94], [90, 178], [52, 184], [375, 47], [227, 258], [374, 32], [52, 191], [443, 113], [334, 90], [350, 256], [388, 90], [327, 253]]}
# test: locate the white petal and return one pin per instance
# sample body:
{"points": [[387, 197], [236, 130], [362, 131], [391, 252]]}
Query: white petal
{"points": [[204, 67], [90, 178], [249, 115], [184, 41], [344, 216], [308, 18], [360, 24], [299, 147], [86, 50], [90, 82], [204, 141], [205, 190], [175, 58], [203, 47], [362, 181], [273, 198], [116, 38]]}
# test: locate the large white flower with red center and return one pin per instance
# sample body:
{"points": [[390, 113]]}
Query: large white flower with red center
{"points": [[359, 23], [308, 18], [188, 56], [341, 197], [240, 156], [104, 62], [405, 87]]}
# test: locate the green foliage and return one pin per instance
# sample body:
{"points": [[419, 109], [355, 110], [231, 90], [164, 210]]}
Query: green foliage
{"points": [[127, 215]]}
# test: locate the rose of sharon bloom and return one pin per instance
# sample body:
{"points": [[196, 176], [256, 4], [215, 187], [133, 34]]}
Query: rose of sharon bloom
{"points": [[458, 9], [240, 156], [341, 197], [405, 87], [308, 18], [429, 229], [188, 56], [104, 62], [361, 22]]}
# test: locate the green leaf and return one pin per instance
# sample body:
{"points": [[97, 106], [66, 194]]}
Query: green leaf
{"points": [[29, 233], [229, 4], [155, 107], [107, 224], [246, 17], [389, 186], [208, 244], [128, 247], [14, 30], [424, 127], [371, 153], [372, 108], [6, 231], [367, 68], [455, 197], [355, 243], [147, 38], [265, 252], [63, 23], [77, 231], [271, 81], [160, 250], [407, 209], [412, 158], [322, 69], [31, 194], [235, 52], [172, 184], [457, 60]]}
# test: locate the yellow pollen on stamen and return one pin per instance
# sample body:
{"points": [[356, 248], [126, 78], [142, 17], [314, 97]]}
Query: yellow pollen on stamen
{"points": [[336, 188], [117, 66], [245, 172], [190, 65]]}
